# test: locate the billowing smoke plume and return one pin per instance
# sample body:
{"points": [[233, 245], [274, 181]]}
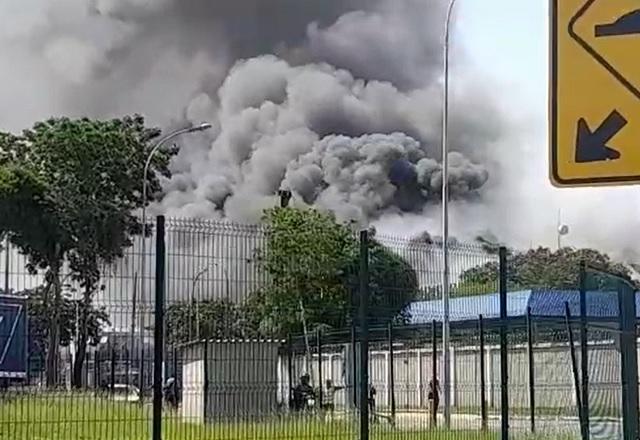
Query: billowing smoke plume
{"points": [[337, 100], [305, 128]]}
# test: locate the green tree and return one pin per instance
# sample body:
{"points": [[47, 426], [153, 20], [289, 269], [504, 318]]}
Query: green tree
{"points": [[312, 265], [40, 320], [207, 319], [542, 268], [81, 180], [393, 283]]}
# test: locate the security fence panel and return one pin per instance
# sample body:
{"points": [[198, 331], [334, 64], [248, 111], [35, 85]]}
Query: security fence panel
{"points": [[86, 343], [302, 328]]}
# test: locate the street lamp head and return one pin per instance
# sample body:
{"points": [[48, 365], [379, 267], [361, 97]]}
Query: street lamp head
{"points": [[202, 127]]}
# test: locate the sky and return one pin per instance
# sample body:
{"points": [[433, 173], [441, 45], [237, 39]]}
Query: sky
{"points": [[508, 41]]}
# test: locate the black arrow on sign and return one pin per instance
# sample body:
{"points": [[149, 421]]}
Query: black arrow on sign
{"points": [[591, 146]]}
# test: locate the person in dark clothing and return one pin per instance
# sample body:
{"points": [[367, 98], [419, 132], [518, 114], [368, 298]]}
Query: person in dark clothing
{"points": [[171, 393], [329, 397], [302, 394], [372, 403]]}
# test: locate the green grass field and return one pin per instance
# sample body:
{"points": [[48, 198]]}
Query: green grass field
{"points": [[67, 418]]}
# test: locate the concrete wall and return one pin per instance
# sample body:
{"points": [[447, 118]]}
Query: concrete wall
{"points": [[250, 380], [193, 385], [554, 388]]}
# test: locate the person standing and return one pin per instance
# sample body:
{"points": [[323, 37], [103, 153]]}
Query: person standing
{"points": [[329, 397], [171, 393], [303, 393], [372, 403]]}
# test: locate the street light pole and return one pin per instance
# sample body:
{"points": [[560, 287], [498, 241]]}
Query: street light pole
{"points": [[194, 302], [156, 147], [193, 290], [446, 373], [143, 262]]}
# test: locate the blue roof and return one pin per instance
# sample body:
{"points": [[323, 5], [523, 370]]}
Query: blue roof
{"points": [[543, 302]]}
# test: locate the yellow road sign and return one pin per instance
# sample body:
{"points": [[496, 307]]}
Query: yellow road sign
{"points": [[595, 92]]}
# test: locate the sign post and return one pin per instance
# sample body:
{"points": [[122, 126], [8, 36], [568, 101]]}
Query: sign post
{"points": [[595, 92]]}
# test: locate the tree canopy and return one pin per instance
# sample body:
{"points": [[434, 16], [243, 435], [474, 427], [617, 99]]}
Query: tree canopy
{"points": [[543, 268], [312, 263], [68, 192], [208, 319], [68, 322]]}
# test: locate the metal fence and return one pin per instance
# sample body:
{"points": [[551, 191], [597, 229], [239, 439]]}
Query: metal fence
{"points": [[224, 331]]}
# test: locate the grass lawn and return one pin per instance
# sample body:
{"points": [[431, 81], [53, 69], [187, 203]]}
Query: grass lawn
{"points": [[65, 418]]}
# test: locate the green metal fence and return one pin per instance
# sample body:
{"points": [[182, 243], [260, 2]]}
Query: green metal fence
{"points": [[310, 332]]}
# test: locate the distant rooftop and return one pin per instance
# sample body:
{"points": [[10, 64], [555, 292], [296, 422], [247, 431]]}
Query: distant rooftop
{"points": [[542, 302]]}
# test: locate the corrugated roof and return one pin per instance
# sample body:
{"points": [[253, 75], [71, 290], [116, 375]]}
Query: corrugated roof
{"points": [[543, 302]]}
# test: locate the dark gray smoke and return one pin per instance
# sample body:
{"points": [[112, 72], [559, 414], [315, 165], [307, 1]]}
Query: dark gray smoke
{"points": [[305, 128], [327, 72], [337, 100]]}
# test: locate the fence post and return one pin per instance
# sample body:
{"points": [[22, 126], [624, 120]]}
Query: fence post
{"points": [[289, 372], [320, 387], [126, 365], [433, 388], [97, 377], [364, 335], [354, 366], [504, 355], [483, 376], [158, 338], [112, 376], [532, 385], [584, 352], [574, 368], [629, 360], [391, 378], [205, 383]]}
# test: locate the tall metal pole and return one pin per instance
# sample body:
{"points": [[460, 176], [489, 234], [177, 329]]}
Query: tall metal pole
{"points": [[504, 352], [532, 375], [483, 375], [320, 384], [158, 338], [143, 257], [364, 335], [446, 373], [392, 382], [195, 302], [584, 351], [354, 366], [434, 373]]}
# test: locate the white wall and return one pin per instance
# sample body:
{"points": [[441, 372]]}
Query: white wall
{"points": [[250, 380], [193, 385], [554, 388]]}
